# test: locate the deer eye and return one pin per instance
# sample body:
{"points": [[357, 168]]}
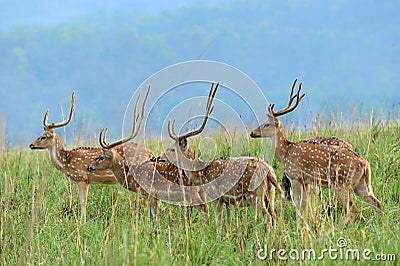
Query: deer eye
{"points": [[266, 125], [173, 150], [100, 158], [42, 138]]}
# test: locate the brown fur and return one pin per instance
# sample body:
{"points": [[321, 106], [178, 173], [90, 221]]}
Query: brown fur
{"points": [[159, 180], [74, 163]]}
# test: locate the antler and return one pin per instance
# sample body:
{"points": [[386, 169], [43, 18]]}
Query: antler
{"points": [[288, 108], [171, 130], [61, 124], [135, 129], [209, 109]]}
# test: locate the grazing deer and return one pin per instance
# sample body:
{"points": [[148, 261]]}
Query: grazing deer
{"points": [[136, 170], [241, 181], [73, 163], [286, 186], [328, 166]]}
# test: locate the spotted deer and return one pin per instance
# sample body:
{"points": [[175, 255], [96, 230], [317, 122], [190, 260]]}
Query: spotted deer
{"points": [[136, 170], [73, 163], [240, 181], [286, 186], [327, 166]]}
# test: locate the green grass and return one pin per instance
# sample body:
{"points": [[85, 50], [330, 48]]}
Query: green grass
{"points": [[40, 214]]}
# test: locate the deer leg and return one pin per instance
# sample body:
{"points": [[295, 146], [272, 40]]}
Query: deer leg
{"points": [[153, 208], [228, 215], [287, 187], [204, 209], [364, 190], [272, 185], [217, 206], [297, 193], [304, 199], [344, 196], [257, 200], [204, 206], [83, 189], [307, 189], [270, 198]]}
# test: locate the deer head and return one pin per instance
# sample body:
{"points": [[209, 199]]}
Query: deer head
{"points": [[103, 162], [48, 139], [270, 127], [180, 153], [106, 160]]}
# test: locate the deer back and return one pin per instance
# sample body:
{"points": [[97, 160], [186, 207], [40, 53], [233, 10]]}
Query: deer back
{"points": [[326, 164]]}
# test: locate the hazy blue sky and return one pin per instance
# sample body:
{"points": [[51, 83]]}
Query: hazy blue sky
{"points": [[347, 53]]}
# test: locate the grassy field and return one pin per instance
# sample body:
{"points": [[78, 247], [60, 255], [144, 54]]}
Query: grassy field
{"points": [[40, 216]]}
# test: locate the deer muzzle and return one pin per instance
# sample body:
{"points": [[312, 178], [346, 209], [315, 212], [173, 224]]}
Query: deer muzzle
{"points": [[255, 134], [33, 147]]}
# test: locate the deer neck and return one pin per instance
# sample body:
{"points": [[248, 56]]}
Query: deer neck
{"points": [[57, 153], [280, 144], [119, 167], [190, 161], [195, 170]]}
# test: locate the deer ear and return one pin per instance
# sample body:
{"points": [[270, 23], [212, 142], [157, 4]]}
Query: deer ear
{"points": [[49, 134], [108, 154], [275, 120]]}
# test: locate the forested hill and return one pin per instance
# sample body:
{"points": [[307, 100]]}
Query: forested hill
{"points": [[346, 53]]}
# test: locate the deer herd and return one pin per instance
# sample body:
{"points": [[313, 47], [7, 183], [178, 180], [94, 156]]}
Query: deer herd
{"points": [[178, 175]]}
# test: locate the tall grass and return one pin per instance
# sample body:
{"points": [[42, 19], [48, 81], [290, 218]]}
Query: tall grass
{"points": [[40, 213]]}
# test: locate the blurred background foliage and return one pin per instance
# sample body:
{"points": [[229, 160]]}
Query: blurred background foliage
{"points": [[347, 54]]}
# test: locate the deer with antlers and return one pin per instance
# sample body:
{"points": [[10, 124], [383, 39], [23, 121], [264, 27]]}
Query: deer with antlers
{"points": [[327, 166], [136, 170], [241, 181], [73, 163]]}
